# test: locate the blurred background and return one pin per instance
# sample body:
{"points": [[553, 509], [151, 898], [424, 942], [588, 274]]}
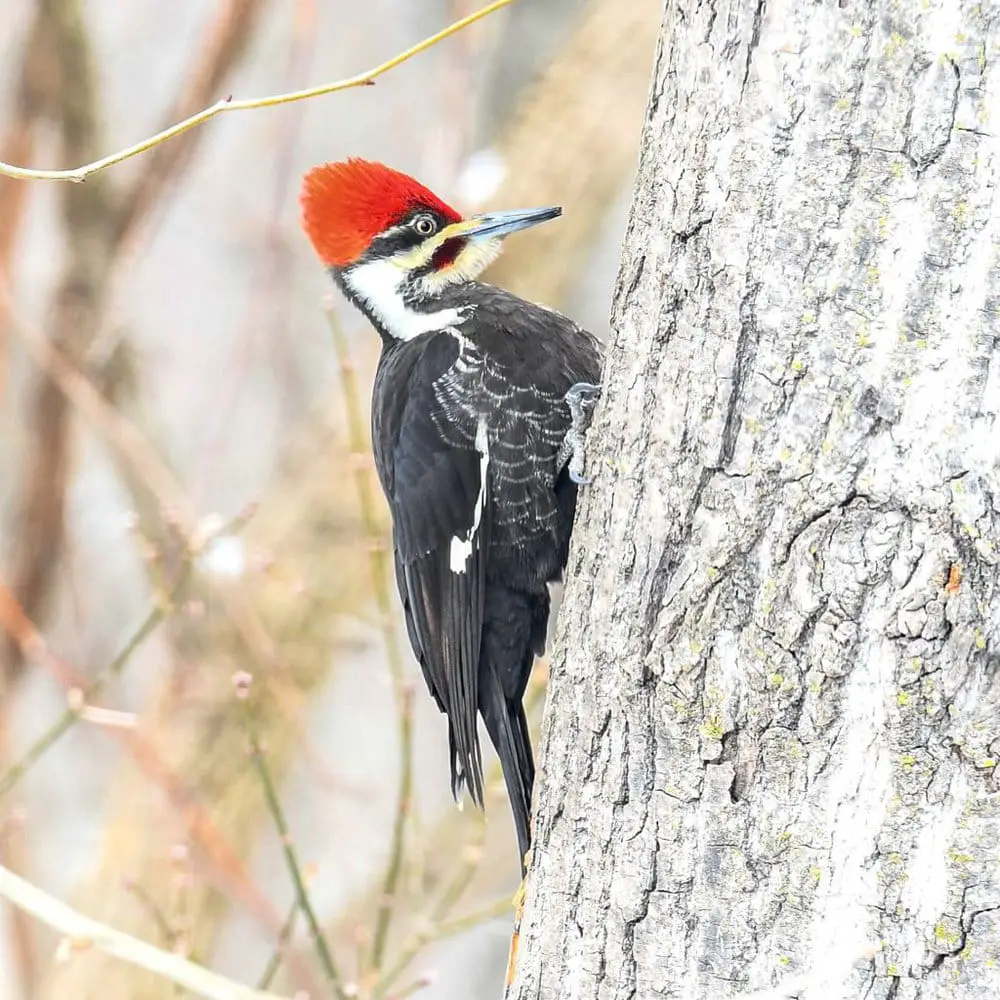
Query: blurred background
{"points": [[186, 490]]}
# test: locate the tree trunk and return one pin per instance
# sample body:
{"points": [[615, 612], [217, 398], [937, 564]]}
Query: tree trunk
{"points": [[775, 702]]}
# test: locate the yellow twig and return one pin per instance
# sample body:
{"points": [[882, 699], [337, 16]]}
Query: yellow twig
{"points": [[304, 904], [69, 717], [437, 932], [274, 963], [365, 79], [160, 608], [82, 933]]}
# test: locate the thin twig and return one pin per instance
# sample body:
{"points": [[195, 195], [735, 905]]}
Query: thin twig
{"points": [[33, 94], [124, 437], [274, 963], [437, 917], [83, 933], [227, 868], [156, 914], [134, 450], [226, 40], [162, 605], [410, 989], [361, 80], [437, 932], [288, 848], [66, 721], [394, 870], [394, 652]]}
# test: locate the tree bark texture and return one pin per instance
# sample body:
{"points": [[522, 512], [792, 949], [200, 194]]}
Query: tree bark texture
{"points": [[770, 748]]}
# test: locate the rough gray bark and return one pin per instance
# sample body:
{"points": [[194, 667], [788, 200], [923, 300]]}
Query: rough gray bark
{"points": [[775, 704]]}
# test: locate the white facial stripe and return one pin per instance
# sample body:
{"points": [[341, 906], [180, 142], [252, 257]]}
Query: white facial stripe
{"points": [[379, 285], [461, 548]]}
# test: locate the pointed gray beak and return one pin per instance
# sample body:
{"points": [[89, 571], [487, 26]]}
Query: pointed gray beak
{"points": [[504, 223]]}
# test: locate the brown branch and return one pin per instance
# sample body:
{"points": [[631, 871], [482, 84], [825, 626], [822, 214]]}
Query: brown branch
{"points": [[303, 564], [34, 88], [73, 319], [157, 775], [20, 630], [124, 438], [97, 221], [12, 620], [230, 33]]}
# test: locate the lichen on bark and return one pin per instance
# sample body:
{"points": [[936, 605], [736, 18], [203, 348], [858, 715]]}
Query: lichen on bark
{"points": [[774, 722]]}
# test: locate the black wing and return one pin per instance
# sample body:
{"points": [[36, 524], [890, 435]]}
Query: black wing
{"points": [[441, 514]]}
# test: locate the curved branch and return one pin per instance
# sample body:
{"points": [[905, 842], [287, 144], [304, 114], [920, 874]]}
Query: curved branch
{"points": [[83, 933], [365, 79]]}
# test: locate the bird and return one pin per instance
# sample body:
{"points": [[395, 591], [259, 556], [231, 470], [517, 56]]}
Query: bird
{"points": [[480, 405]]}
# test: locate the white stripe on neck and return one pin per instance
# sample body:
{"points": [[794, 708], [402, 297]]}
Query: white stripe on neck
{"points": [[379, 285]]}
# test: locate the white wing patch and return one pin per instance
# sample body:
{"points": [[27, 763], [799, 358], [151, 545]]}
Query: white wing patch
{"points": [[379, 284], [461, 548]]}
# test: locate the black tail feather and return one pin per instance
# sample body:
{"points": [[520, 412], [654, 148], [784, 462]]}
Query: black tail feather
{"points": [[522, 743], [462, 697], [508, 729]]}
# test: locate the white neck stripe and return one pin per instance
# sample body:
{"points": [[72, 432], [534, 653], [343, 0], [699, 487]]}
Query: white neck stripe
{"points": [[378, 284]]}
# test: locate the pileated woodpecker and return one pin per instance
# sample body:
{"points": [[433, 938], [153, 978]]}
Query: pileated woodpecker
{"points": [[480, 403]]}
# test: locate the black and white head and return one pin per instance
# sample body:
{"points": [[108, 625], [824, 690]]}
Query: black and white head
{"points": [[394, 246]]}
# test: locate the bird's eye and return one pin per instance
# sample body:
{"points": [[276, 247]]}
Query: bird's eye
{"points": [[424, 225]]}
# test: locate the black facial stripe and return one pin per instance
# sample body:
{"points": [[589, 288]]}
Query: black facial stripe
{"points": [[390, 243], [402, 236], [443, 256]]}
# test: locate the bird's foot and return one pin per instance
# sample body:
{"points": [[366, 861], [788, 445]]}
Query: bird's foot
{"points": [[518, 903], [581, 399], [517, 900]]}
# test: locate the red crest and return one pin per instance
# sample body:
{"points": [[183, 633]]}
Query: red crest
{"points": [[346, 204]]}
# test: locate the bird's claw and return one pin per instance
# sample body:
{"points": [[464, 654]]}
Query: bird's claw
{"points": [[581, 399], [518, 902], [582, 396]]}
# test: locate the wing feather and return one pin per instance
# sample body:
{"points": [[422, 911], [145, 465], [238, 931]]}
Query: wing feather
{"points": [[511, 365], [437, 496]]}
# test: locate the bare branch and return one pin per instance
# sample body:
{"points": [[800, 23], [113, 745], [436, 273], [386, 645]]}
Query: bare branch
{"points": [[433, 934], [159, 610], [33, 97], [82, 933], [287, 846], [73, 317], [123, 436], [436, 925], [274, 963], [361, 80], [228, 37]]}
